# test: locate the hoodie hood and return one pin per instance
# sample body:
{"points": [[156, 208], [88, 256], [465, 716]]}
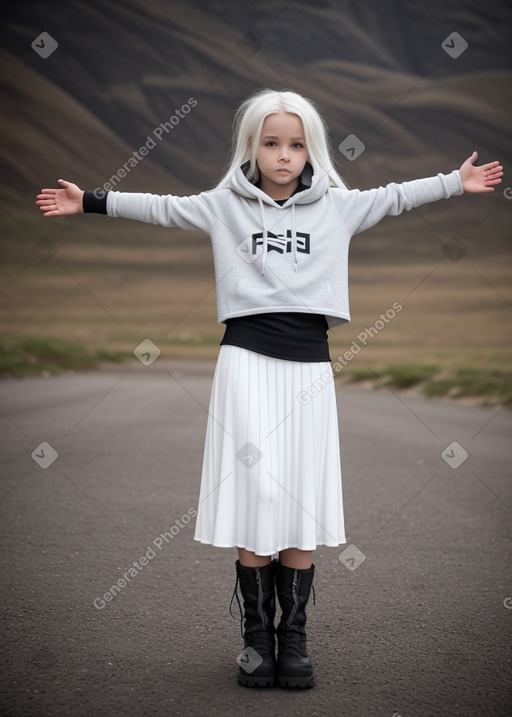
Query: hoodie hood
{"points": [[316, 183]]}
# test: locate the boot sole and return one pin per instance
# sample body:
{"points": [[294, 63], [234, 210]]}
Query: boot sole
{"points": [[248, 681], [297, 682]]}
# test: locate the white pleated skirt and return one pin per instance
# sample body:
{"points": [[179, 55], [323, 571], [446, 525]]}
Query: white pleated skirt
{"points": [[271, 475]]}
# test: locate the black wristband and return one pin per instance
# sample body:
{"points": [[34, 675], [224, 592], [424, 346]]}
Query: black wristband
{"points": [[92, 203]]}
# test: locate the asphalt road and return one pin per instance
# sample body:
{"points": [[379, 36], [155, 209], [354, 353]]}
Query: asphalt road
{"points": [[420, 627]]}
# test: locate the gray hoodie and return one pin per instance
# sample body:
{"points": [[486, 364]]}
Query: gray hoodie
{"points": [[292, 257]]}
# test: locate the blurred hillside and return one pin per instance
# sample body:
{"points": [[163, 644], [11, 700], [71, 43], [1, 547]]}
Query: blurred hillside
{"points": [[123, 69], [376, 70]]}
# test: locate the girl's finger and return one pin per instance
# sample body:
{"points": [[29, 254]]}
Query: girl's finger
{"points": [[491, 165]]}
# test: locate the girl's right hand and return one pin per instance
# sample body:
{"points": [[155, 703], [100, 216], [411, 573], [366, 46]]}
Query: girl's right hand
{"points": [[59, 202]]}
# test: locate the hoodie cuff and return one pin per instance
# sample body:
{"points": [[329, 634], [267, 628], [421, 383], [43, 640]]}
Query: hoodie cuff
{"points": [[455, 183], [92, 204]]}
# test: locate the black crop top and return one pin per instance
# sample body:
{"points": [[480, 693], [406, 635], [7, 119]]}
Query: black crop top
{"points": [[285, 335]]}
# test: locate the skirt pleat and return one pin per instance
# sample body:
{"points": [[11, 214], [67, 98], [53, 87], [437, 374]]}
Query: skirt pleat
{"points": [[271, 475]]}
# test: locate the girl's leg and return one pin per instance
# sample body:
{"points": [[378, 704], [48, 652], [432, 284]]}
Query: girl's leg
{"points": [[295, 558], [251, 560], [291, 558]]}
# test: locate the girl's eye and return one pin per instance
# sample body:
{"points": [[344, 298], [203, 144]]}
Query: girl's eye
{"points": [[295, 145]]}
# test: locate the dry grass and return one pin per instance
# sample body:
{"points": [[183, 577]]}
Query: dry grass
{"points": [[110, 297]]}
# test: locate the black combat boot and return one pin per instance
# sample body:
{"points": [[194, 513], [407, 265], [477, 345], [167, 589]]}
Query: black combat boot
{"points": [[294, 668], [257, 662]]}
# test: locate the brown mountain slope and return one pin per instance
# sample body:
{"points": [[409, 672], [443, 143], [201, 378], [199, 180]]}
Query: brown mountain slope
{"points": [[122, 70]]}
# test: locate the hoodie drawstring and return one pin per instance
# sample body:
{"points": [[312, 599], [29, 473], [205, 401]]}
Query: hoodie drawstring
{"points": [[265, 237], [294, 239]]}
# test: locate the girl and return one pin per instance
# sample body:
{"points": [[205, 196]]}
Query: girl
{"points": [[280, 222]]}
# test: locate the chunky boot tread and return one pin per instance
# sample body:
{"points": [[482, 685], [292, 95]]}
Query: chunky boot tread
{"points": [[297, 682], [251, 681]]}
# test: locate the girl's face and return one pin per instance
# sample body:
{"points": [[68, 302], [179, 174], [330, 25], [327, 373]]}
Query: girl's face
{"points": [[281, 155]]}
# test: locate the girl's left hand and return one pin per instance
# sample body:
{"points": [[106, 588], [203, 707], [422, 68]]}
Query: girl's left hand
{"points": [[480, 180]]}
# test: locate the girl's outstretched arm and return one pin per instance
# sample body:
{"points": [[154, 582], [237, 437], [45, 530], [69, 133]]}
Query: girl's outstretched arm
{"points": [[480, 180], [59, 202], [197, 211]]}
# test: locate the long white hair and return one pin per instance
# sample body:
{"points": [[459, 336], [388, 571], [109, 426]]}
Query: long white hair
{"points": [[248, 123]]}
